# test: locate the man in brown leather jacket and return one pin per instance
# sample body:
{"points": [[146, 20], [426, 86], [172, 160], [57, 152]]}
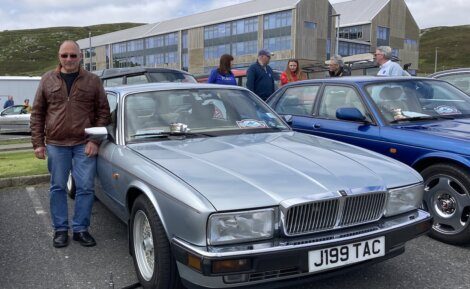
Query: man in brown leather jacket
{"points": [[68, 100]]}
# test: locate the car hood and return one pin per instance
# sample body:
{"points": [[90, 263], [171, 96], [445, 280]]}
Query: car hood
{"points": [[261, 170], [455, 129]]}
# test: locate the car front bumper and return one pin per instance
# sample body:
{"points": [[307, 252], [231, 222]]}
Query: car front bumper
{"points": [[285, 260]]}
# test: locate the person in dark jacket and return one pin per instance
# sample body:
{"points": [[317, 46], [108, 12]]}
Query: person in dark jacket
{"points": [[336, 67], [9, 102], [223, 74], [260, 76], [68, 100]]}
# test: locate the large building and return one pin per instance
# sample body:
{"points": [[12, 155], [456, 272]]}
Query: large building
{"points": [[302, 29], [367, 24]]}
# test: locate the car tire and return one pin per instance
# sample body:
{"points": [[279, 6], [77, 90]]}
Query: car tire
{"points": [[71, 190], [447, 198], [150, 248]]}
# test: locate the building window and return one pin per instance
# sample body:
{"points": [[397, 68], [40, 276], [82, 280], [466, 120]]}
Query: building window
{"points": [[184, 40], [411, 44], [349, 48], [353, 32], [278, 20], [135, 45], [310, 25], [383, 35], [278, 43]]}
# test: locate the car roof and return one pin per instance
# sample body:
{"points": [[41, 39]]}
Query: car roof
{"points": [[152, 86], [449, 71], [117, 72], [357, 79]]}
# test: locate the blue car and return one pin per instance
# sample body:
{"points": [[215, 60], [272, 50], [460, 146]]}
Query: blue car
{"points": [[424, 123]]}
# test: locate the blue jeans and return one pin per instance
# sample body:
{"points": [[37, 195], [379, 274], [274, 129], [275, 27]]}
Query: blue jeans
{"points": [[61, 160]]}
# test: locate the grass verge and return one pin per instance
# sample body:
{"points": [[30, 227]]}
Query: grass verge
{"points": [[21, 163], [15, 141]]}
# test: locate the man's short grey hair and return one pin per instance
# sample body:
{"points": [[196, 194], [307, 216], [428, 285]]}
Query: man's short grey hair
{"points": [[337, 59], [386, 50]]}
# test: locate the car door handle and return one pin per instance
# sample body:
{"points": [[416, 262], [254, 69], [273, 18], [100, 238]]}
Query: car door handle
{"points": [[316, 125]]}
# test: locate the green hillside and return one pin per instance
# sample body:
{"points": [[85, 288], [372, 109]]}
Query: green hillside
{"points": [[34, 51], [453, 48]]}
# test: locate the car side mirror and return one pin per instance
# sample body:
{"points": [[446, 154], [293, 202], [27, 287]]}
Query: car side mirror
{"points": [[350, 114], [287, 118], [96, 133]]}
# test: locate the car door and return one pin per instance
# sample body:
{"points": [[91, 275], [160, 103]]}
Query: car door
{"points": [[361, 133], [298, 102], [107, 172], [10, 119]]}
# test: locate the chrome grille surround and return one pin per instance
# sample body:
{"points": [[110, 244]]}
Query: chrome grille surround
{"points": [[334, 213]]}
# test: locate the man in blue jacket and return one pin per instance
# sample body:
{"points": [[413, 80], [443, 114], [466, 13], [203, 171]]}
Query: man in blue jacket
{"points": [[260, 77]]}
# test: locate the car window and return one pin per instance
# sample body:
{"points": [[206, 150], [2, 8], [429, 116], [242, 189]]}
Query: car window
{"points": [[335, 97], [298, 100], [171, 77], [412, 99], [136, 79], [13, 110], [462, 81], [113, 81], [202, 110]]}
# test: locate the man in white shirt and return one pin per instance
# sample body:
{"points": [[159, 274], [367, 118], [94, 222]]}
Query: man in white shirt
{"points": [[382, 56]]}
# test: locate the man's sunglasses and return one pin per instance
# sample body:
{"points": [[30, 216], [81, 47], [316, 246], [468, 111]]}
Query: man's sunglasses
{"points": [[68, 55]]}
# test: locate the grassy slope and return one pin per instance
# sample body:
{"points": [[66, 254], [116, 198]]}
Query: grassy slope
{"points": [[34, 51], [453, 51]]}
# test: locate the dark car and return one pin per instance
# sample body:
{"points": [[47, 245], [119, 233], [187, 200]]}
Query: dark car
{"points": [[137, 75], [240, 76], [422, 122], [459, 77]]}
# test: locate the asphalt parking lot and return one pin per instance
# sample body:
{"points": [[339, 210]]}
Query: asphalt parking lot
{"points": [[28, 260]]}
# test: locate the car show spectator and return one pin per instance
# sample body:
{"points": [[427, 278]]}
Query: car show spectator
{"points": [[9, 102], [260, 76], [26, 107], [383, 56], [336, 67], [292, 72], [68, 100], [223, 74]]}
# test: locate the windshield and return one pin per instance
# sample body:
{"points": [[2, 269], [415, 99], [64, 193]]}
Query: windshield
{"points": [[410, 100], [204, 111]]}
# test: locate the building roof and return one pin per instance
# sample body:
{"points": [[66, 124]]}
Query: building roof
{"points": [[224, 14], [357, 12]]}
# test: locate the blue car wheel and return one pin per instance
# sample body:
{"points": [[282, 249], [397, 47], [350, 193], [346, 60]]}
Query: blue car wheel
{"points": [[447, 197]]}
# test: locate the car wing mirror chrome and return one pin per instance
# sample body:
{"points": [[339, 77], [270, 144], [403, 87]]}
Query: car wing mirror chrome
{"points": [[96, 133]]}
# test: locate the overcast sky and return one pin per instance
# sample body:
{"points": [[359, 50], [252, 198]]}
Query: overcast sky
{"points": [[27, 14]]}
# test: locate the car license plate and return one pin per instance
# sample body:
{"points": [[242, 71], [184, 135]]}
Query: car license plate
{"points": [[328, 258]]}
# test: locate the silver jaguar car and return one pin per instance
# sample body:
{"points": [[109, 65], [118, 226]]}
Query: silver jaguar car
{"points": [[218, 192]]}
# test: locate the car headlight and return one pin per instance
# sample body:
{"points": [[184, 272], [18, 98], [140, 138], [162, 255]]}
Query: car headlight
{"points": [[238, 227], [404, 199]]}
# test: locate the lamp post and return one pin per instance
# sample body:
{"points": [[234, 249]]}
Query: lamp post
{"points": [[89, 50], [337, 32], [435, 60]]}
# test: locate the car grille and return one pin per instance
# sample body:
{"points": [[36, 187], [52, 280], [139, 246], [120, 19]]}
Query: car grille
{"points": [[331, 214]]}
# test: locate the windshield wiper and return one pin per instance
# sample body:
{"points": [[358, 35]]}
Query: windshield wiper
{"points": [[418, 118], [166, 134]]}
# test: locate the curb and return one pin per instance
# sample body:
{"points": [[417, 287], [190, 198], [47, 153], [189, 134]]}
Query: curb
{"points": [[24, 181]]}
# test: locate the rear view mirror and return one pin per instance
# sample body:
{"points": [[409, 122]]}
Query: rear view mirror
{"points": [[96, 133], [350, 114]]}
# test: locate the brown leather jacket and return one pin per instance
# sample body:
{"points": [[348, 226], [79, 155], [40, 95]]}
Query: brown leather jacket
{"points": [[60, 119]]}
